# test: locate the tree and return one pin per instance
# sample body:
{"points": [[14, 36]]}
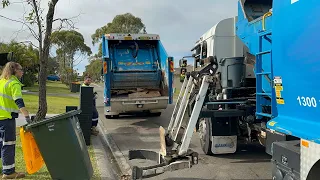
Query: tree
{"points": [[42, 35], [53, 65], [69, 42], [124, 23], [25, 55], [94, 68]]}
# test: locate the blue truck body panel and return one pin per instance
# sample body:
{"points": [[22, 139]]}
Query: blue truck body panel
{"points": [[252, 34], [136, 79], [123, 60], [292, 48], [132, 64], [167, 71], [296, 62]]}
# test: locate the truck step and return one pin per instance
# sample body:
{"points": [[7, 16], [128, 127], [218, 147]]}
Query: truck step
{"points": [[265, 33], [264, 94], [263, 73], [263, 52], [264, 114]]}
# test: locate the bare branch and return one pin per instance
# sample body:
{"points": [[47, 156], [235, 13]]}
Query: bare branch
{"points": [[34, 34], [16, 33], [68, 22], [73, 17], [36, 10], [78, 62], [30, 43]]}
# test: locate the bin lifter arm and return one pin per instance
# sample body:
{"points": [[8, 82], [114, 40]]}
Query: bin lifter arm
{"points": [[174, 143]]}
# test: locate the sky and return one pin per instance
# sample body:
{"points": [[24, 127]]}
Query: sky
{"points": [[179, 24]]}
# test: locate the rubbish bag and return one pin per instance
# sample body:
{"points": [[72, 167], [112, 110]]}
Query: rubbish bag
{"points": [[31, 153]]}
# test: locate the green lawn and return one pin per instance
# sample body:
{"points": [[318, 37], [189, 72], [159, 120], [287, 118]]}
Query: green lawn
{"points": [[43, 173], [52, 87], [56, 105]]}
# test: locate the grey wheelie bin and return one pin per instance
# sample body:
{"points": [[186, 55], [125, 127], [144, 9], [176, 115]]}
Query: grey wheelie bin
{"points": [[62, 146]]}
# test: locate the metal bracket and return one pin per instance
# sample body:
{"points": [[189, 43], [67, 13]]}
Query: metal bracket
{"points": [[164, 163]]}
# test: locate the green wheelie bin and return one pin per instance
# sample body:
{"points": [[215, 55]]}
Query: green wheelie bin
{"points": [[62, 146]]}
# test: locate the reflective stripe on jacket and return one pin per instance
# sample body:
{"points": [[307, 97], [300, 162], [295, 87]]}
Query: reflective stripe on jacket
{"points": [[10, 90]]}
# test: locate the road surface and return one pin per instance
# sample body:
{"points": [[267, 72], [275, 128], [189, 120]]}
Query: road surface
{"points": [[250, 162]]}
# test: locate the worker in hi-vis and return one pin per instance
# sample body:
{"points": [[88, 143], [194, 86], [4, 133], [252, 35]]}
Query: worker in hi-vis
{"points": [[95, 114], [10, 103]]}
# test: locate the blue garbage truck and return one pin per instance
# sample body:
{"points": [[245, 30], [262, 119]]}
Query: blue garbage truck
{"points": [[138, 74]]}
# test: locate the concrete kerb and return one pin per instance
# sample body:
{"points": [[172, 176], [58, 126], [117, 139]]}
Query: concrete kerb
{"points": [[124, 166]]}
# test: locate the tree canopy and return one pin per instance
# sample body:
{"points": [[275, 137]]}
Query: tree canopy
{"points": [[27, 56], [123, 23], [94, 69], [69, 42]]}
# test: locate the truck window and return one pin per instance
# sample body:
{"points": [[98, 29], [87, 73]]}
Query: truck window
{"points": [[204, 49]]}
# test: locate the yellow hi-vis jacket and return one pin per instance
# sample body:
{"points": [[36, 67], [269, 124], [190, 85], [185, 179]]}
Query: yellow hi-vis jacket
{"points": [[10, 90]]}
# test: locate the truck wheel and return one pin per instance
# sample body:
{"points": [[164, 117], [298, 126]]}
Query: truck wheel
{"points": [[204, 132], [112, 116]]}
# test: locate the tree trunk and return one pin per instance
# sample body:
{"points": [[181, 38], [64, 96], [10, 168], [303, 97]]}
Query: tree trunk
{"points": [[42, 111], [44, 54]]}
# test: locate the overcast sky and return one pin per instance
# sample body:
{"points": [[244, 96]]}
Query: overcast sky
{"points": [[179, 22]]}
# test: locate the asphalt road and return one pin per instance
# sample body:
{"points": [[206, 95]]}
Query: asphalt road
{"points": [[250, 162]]}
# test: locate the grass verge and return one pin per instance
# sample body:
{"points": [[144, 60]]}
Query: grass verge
{"points": [[52, 87], [43, 174], [56, 105]]}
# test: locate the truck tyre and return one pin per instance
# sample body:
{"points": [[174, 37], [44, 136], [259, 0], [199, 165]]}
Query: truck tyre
{"points": [[112, 116], [204, 132]]}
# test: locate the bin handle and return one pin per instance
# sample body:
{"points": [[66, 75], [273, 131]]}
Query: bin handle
{"points": [[263, 20]]}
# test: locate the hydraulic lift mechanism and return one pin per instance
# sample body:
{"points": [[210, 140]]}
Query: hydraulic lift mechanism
{"points": [[174, 142]]}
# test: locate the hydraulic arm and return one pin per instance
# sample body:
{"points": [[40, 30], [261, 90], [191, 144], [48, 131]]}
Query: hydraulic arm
{"points": [[174, 142]]}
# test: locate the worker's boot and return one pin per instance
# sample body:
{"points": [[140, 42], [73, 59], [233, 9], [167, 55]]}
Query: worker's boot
{"points": [[15, 175], [94, 131]]}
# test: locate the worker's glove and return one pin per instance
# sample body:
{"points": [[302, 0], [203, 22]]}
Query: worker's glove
{"points": [[28, 119]]}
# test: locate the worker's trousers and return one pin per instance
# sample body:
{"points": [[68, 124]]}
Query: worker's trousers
{"points": [[95, 117], [8, 145]]}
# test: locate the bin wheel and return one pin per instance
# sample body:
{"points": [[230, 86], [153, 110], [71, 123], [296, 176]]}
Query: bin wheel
{"points": [[112, 116], [204, 132]]}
